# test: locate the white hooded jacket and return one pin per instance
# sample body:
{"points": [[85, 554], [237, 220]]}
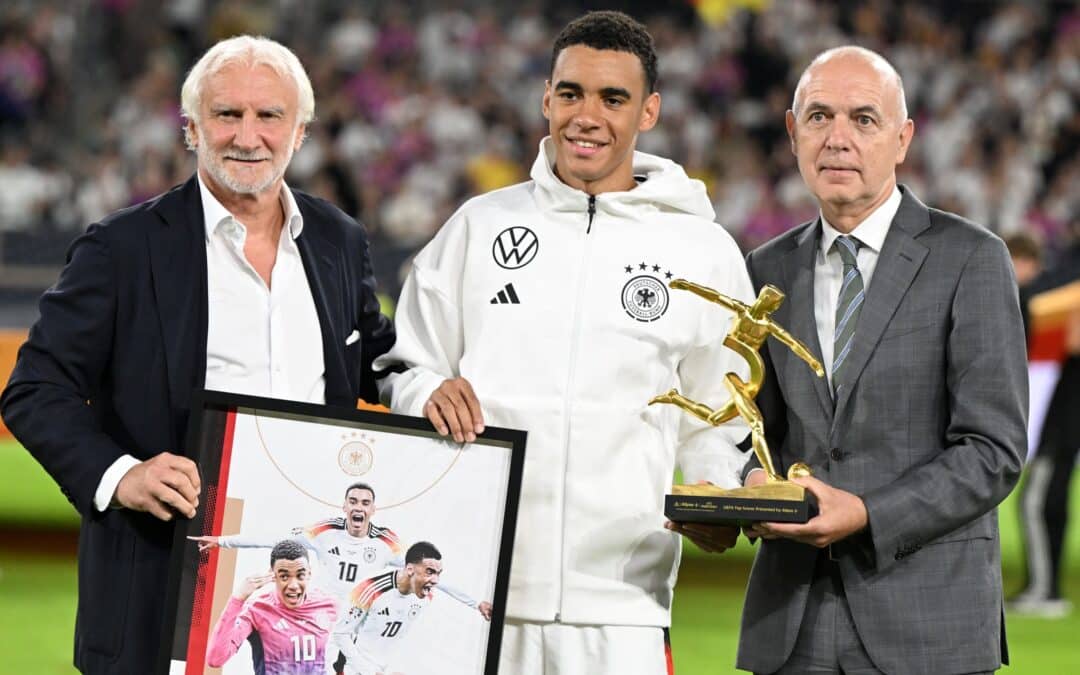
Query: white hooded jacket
{"points": [[562, 321]]}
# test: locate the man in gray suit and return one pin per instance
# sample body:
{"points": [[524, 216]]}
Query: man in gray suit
{"points": [[918, 431]]}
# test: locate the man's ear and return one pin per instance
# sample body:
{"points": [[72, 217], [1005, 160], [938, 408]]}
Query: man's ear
{"points": [[907, 132], [650, 112], [546, 105], [789, 122], [191, 134]]}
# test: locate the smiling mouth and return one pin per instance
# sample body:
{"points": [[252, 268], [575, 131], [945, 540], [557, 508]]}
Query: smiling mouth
{"points": [[586, 147]]}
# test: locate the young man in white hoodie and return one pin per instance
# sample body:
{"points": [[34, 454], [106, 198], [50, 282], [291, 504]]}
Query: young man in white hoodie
{"points": [[544, 306]]}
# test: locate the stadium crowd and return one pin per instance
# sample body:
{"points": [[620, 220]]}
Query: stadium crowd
{"points": [[421, 105]]}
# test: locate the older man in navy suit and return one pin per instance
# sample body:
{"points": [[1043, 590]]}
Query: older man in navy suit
{"points": [[230, 281]]}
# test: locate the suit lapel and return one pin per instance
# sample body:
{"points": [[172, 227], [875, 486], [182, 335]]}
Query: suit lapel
{"points": [[320, 258], [798, 266], [177, 249], [900, 260]]}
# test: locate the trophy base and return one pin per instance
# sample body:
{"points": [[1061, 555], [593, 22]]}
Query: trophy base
{"points": [[783, 502]]}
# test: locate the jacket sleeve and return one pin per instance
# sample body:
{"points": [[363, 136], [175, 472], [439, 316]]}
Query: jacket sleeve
{"points": [[706, 452], [49, 401], [230, 631], [430, 334], [986, 437]]}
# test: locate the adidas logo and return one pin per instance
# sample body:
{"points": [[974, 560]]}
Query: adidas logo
{"points": [[507, 296], [281, 625], [385, 612], [334, 551]]}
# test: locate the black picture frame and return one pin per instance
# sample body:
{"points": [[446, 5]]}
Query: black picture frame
{"points": [[267, 466]]}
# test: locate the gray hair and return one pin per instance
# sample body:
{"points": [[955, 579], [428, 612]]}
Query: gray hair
{"points": [[251, 51], [877, 61]]}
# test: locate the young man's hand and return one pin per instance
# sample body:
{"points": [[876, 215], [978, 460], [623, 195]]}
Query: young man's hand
{"points": [[709, 538], [454, 409]]}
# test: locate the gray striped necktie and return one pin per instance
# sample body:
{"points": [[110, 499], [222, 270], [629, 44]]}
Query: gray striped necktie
{"points": [[848, 305]]}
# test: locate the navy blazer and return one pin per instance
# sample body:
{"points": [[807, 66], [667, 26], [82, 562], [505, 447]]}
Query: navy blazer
{"points": [[110, 366]]}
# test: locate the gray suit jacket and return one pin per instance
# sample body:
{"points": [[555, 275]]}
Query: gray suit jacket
{"points": [[929, 428]]}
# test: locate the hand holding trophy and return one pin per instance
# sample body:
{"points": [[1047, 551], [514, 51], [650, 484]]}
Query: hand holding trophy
{"points": [[778, 500]]}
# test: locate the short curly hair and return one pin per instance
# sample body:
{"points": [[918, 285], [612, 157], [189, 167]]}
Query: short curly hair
{"points": [[287, 549], [420, 551], [610, 30]]}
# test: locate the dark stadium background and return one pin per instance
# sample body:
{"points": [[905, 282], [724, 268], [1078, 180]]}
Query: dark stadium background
{"points": [[421, 104]]}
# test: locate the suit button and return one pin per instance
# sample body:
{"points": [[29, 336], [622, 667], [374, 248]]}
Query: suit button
{"points": [[836, 454]]}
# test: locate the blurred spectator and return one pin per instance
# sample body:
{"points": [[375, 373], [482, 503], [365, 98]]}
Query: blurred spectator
{"points": [[1026, 257], [28, 190], [24, 75], [1044, 496]]}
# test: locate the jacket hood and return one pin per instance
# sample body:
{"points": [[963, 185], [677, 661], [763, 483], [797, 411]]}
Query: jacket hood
{"points": [[662, 186]]}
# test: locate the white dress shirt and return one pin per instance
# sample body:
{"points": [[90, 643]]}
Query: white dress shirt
{"points": [[260, 341], [829, 269]]}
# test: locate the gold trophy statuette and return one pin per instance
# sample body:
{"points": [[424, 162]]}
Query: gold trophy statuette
{"points": [[778, 499]]}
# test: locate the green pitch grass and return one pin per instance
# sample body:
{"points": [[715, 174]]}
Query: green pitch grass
{"points": [[29, 495], [37, 592], [37, 611]]}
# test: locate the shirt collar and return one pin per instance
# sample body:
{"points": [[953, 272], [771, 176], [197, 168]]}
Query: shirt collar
{"points": [[870, 232], [215, 214]]}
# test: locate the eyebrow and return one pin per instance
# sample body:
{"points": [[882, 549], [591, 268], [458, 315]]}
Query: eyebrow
{"points": [[867, 110], [226, 107], [605, 92], [817, 106]]}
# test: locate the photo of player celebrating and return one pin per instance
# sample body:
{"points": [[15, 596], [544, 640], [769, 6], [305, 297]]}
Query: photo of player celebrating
{"points": [[289, 623], [349, 547], [384, 608], [279, 471]]}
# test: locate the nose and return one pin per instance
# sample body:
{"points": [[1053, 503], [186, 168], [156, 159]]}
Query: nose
{"points": [[839, 136], [588, 113], [246, 136]]}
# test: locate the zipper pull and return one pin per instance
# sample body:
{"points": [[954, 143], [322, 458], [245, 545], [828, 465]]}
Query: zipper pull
{"points": [[592, 212]]}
